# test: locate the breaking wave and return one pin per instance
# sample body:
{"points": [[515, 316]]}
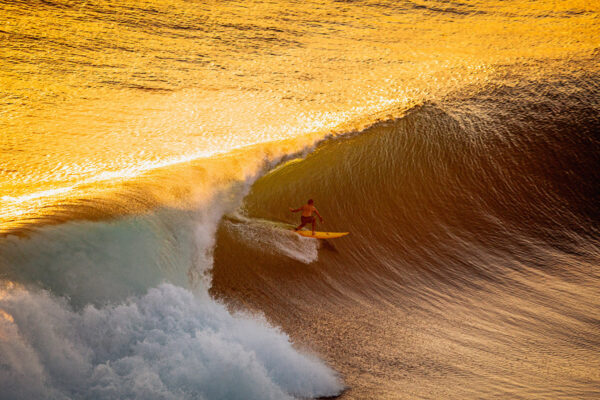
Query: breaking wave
{"points": [[120, 309]]}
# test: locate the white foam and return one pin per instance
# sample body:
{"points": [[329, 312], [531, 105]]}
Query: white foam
{"points": [[166, 344]]}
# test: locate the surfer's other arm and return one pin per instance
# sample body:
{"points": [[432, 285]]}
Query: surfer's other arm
{"points": [[319, 215]]}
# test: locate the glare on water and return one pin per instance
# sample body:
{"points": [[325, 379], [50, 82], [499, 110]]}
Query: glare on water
{"points": [[94, 93]]}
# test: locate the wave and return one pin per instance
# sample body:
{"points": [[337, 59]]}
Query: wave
{"points": [[473, 241], [510, 174], [120, 309], [456, 194]]}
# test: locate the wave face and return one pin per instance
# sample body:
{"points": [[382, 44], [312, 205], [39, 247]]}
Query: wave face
{"points": [[470, 267]]}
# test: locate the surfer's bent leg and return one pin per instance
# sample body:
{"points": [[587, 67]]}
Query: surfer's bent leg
{"points": [[306, 220]]}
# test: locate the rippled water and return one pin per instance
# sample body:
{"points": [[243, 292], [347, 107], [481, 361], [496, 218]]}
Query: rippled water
{"points": [[99, 91], [149, 152]]}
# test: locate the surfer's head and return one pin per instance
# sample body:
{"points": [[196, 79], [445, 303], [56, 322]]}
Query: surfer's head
{"points": [[311, 201]]}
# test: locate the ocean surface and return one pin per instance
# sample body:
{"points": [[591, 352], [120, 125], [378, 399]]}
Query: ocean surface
{"points": [[149, 152]]}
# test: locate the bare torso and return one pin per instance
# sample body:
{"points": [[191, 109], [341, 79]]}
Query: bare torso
{"points": [[307, 218], [307, 210]]}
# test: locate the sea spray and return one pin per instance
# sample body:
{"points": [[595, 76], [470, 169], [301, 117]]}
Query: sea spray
{"points": [[272, 238]]}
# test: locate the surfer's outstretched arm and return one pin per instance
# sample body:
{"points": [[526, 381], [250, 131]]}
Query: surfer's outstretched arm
{"points": [[320, 218], [295, 210]]}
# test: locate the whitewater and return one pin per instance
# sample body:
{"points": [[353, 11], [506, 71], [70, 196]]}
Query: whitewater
{"points": [[106, 324]]}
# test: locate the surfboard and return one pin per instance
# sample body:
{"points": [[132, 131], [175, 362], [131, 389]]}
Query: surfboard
{"points": [[322, 235]]}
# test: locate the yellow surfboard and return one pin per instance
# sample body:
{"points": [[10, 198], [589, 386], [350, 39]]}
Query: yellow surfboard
{"points": [[322, 235]]}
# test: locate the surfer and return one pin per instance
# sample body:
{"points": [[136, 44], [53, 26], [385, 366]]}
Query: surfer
{"points": [[307, 215]]}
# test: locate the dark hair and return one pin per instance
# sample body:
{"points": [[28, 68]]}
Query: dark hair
{"points": [[310, 201]]}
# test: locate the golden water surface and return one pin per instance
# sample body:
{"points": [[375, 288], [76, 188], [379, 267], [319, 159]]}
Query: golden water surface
{"points": [[95, 93]]}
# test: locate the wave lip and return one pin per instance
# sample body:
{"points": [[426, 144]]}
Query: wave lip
{"points": [[167, 344]]}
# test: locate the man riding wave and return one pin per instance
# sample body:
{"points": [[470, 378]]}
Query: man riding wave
{"points": [[307, 215]]}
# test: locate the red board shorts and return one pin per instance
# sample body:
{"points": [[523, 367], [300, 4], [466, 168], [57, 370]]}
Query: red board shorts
{"points": [[307, 220]]}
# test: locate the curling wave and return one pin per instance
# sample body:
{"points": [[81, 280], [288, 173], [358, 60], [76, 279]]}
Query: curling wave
{"points": [[474, 240]]}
